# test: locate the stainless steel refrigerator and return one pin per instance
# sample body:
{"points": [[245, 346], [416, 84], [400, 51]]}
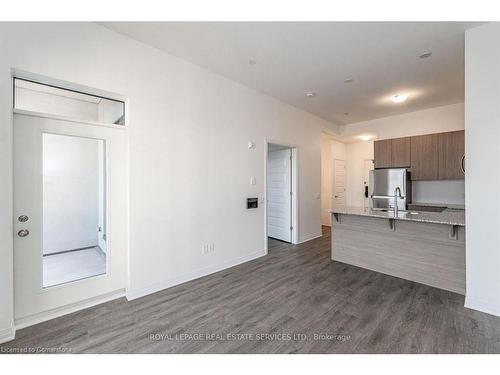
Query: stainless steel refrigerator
{"points": [[383, 189]]}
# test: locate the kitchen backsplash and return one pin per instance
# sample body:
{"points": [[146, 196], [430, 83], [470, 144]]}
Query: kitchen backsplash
{"points": [[450, 192]]}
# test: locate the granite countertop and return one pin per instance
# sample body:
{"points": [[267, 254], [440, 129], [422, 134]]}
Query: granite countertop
{"points": [[448, 205], [448, 216]]}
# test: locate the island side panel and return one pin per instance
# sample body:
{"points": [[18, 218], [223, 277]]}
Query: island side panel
{"points": [[416, 251]]}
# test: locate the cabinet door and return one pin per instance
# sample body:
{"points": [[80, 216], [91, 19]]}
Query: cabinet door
{"points": [[424, 157], [451, 151], [382, 153], [400, 152]]}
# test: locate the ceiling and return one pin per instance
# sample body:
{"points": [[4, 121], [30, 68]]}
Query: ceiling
{"points": [[287, 59]]}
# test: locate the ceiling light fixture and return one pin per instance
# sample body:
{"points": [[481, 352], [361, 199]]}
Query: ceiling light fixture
{"points": [[399, 98], [349, 80], [310, 94], [366, 137], [425, 55]]}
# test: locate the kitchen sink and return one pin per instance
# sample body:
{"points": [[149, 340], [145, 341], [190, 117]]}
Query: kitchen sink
{"points": [[418, 207]]}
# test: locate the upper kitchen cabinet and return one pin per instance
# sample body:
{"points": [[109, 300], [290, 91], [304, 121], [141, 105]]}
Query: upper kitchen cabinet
{"points": [[400, 152], [392, 153], [382, 153], [451, 152], [425, 157]]}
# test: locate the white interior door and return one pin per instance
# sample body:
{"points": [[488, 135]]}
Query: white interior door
{"points": [[368, 166], [279, 198], [339, 182], [32, 163]]}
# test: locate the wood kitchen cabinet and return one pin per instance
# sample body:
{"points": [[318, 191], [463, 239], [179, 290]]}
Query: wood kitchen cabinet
{"points": [[382, 153], [400, 152], [430, 157], [451, 151], [392, 153], [425, 157]]}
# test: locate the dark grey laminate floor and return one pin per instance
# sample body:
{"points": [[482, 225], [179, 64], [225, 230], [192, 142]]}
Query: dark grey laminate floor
{"points": [[290, 295]]}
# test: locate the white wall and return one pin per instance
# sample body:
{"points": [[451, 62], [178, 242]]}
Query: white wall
{"points": [[482, 178], [330, 150], [434, 120], [189, 162], [357, 153], [326, 180], [70, 192]]}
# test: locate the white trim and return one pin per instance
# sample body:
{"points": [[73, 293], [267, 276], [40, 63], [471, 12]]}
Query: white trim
{"points": [[309, 237], [479, 304], [170, 282], [67, 309], [7, 334]]}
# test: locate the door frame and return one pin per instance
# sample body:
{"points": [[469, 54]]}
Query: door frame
{"points": [[295, 190], [67, 309]]}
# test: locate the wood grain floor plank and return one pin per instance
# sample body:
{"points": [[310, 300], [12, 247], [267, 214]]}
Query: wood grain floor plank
{"points": [[277, 304]]}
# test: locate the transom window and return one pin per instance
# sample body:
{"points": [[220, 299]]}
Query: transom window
{"points": [[43, 98]]}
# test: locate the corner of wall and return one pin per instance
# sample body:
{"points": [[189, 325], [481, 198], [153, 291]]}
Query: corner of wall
{"points": [[474, 303]]}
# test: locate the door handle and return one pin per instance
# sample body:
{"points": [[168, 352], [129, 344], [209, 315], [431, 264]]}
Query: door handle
{"points": [[23, 233]]}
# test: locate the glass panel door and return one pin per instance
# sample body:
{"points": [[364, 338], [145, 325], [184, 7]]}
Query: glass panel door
{"points": [[74, 208]]}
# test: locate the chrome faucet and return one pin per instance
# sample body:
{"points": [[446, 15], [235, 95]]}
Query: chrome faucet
{"points": [[397, 194]]}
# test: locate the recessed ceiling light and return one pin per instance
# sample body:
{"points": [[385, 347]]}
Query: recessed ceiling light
{"points": [[425, 55], [348, 80], [366, 137], [252, 62], [399, 98], [310, 94]]}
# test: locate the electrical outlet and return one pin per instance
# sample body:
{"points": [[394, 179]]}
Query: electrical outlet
{"points": [[207, 248]]}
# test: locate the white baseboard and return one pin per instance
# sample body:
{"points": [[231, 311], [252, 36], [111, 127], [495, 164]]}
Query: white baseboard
{"points": [[7, 334], [30, 320], [481, 305], [309, 237], [170, 282]]}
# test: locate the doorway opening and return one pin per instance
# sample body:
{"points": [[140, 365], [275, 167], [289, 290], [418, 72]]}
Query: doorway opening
{"points": [[281, 194]]}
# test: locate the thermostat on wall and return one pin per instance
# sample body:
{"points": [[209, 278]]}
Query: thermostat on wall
{"points": [[252, 203]]}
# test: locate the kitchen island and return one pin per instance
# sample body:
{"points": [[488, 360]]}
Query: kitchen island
{"points": [[426, 247]]}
